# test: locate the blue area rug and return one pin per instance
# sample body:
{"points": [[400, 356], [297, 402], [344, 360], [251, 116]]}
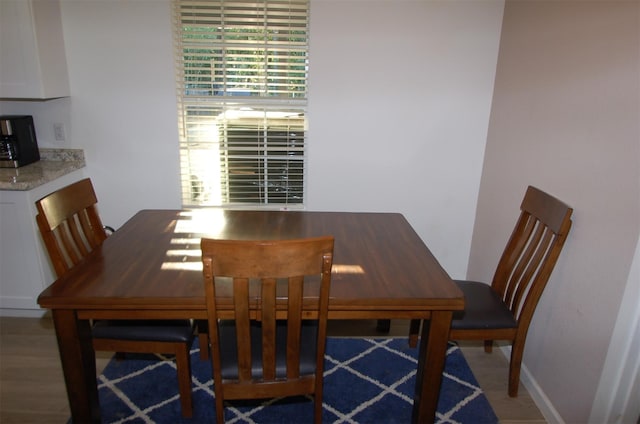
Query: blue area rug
{"points": [[366, 381]]}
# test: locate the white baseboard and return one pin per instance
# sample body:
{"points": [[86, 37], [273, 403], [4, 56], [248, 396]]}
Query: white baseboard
{"points": [[535, 391], [22, 313]]}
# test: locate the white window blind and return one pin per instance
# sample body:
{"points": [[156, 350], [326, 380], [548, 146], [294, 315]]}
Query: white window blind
{"points": [[242, 95]]}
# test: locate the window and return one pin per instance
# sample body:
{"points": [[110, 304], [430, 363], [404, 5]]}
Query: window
{"points": [[242, 95]]}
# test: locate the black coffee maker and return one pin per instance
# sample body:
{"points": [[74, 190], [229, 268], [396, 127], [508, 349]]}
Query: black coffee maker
{"points": [[18, 143]]}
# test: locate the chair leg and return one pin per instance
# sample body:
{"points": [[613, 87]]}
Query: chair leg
{"points": [[203, 339], [517, 350], [414, 330], [317, 408], [219, 406], [317, 398], [488, 346], [183, 366]]}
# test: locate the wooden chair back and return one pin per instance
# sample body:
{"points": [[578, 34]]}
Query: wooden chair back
{"points": [[70, 225], [531, 253], [260, 285]]}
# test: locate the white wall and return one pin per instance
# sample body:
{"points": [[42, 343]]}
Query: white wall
{"points": [[123, 106], [413, 76], [122, 109], [565, 118], [619, 389], [400, 94]]}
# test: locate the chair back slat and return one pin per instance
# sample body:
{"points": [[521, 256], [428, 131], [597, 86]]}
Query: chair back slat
{"points": [[241, 307], [90, 219], [294, 310], [268, 317], [66, 244], [522, 268], [516, 244], [274, 282], [70, 225], [532, 252], [538, 247], [78, 241]]}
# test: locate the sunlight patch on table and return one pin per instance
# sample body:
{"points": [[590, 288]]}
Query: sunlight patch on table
{"points": [[188, 265], [182, 266], [209, 222]]}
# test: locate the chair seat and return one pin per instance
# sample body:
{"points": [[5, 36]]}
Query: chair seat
{"points": [[145, 330], [483, 308], [229, 355]]}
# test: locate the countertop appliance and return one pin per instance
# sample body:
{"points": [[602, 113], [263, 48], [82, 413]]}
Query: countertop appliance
{"points": [[18, 143]]}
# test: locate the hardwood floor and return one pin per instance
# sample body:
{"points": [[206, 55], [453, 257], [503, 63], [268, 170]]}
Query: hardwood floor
{"points": [[32, 386]]}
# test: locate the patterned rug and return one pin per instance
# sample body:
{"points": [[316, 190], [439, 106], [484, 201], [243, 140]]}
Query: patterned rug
{"points": [[366, 381]]}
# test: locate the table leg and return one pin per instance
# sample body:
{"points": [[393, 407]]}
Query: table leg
{"points": [[433, 350], [78, 364]]}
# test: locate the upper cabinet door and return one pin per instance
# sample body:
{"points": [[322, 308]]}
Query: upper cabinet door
{"points": [[33, 64]]}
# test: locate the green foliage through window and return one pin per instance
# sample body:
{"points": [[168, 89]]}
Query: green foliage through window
{"points": [[242, 85]]}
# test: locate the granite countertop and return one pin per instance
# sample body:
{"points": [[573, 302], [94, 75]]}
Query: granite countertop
{"points": [[53, 163]]}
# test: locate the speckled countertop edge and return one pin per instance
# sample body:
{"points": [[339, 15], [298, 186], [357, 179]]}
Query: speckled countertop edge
{"points": [[53, 163]]}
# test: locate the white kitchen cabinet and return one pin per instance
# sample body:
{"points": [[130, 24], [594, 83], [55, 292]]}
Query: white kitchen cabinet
{"points": [[33, 64], [25, 270]]}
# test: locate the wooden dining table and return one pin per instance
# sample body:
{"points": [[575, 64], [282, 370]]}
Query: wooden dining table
{"points": [[150, 268]]}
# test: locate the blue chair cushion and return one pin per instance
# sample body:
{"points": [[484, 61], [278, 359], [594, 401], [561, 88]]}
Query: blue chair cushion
{"points": [[483, 308]]}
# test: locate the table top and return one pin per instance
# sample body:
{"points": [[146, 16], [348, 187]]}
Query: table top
{"points": [[153, 263]]}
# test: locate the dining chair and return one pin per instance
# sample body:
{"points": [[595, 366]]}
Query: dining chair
{"points": [[267, 304], [71, 229], [504, 309]]}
